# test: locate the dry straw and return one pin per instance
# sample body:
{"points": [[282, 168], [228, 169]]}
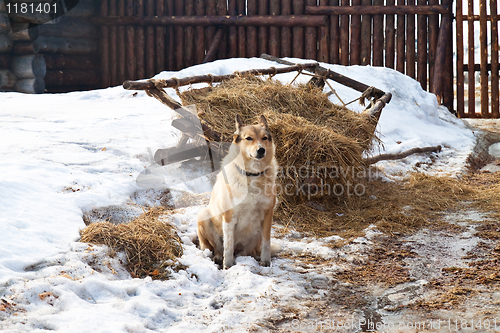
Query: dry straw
{"points": [[149, 243]]}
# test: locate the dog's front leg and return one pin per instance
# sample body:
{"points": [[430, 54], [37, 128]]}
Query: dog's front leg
{"points": [[265, 254], [228, 229]]}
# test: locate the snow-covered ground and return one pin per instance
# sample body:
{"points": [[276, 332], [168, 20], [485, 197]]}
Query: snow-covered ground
{"points": [[64, 154]]}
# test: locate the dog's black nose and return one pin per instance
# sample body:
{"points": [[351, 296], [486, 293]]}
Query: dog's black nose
{"points": [[261, 152]]}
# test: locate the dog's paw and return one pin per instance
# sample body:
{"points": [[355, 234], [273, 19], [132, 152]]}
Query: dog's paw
{"points": [[265, 263], [218, 260], [228, 263]]}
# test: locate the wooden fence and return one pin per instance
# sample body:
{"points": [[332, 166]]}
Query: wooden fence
{"points": [[140, 38]]}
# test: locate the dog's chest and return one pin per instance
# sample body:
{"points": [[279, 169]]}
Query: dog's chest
{"points": [[249, 214]]}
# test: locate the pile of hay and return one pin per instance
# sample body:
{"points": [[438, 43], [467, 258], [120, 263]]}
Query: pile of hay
{"points": [[311, 133], [149, 243]]}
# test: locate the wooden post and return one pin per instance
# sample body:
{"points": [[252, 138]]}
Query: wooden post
{"points": [[233, 31], [130, 54], [410, 43], [356, 36], [150, 41], [274, 32], [105, 72], [310, 37], [344, 36], [171, 38], [366, 36], [440, 67], [121, 74], [211, 10], [471, 61], [199, 8], [460, 60], [113, 49], [242, 49], [400, 42], [179, 36], [422, 47], [433, 37], [323, 38], [448, 96], [378, 36], [298, 32], [484, 59], [28, 66], [494, 60], [334, 35], [252, 46], [263, 31], [222, 11], [189, 35], [140, 43], [160, 49], [30, 86], [390, 37]]}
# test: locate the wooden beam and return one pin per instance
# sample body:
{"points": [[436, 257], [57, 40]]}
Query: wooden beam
{"points": [[378, 10]]}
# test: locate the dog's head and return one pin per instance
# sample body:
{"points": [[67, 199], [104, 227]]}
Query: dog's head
{"points": [[255, 141]]}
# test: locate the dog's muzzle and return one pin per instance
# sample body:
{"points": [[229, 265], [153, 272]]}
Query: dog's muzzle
{"points": [[261, 152]]}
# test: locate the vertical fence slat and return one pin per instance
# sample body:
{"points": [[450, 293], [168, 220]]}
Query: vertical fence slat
{"points": [[494, 59], [470, 52], [334, 35], [242, 49], [179, 37], [356, 36], [378, 36], [366, 36], [460, 59], [189, 35], [131, 65], [140, 42], [150, 41], [113, 45], [222, 11], [448, 96], [286, 32], [199, 9], [422, 47], [323, 38], [170, 38], [121, 44], [160, 39], [483, 35], [390, 37], [105, 78], [210, 31], [263, 31], [400, 42], [298, 32], [410, 42], [274, 32], [233, 32], [344, 36], [433, 22], [311, 37], [252, 45]]}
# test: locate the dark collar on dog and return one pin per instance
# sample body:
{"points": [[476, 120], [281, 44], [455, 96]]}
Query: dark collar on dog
{"points": [[248, 174]]}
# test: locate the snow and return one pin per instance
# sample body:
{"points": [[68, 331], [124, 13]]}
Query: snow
{"points": [[65, 154]]}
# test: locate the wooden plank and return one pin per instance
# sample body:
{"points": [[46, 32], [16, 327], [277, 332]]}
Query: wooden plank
{"points": [[130, 35], [448, 96], [113, 50], [233, 31], [433, 24], [160, 33], [286, 32], [274, 32], [356, 36], [104, 42], [263, 31], [252, 46], [344, 36], [483, 35], [170, 10], [470, 53], [179, 37], [189, 35], [323, 39], [390, 38], [410, 43], [222, 11], [121, 76], [378, 36], [140, 42], [494, 60], [460, 60], [298, 32], [366, 35], [400, 40], [199, 8], [422, 47], [242, 47], [311, 35], [334, 35]]}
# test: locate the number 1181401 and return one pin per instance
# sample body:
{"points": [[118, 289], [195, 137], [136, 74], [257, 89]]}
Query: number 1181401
{"points": [[31, 8]]}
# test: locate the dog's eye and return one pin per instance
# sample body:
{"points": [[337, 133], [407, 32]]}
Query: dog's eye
{"points": [[249, 138], [264, 138]]}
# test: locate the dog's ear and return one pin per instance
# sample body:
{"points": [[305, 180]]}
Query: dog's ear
{"points": [[239, 123], [263, 122]]}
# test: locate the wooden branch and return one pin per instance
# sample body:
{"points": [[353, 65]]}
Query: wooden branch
{"points": [[263, 21], [150, 84], [214, 48], [377, 10], [344, 80], [373, 114], [397, 156]]}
